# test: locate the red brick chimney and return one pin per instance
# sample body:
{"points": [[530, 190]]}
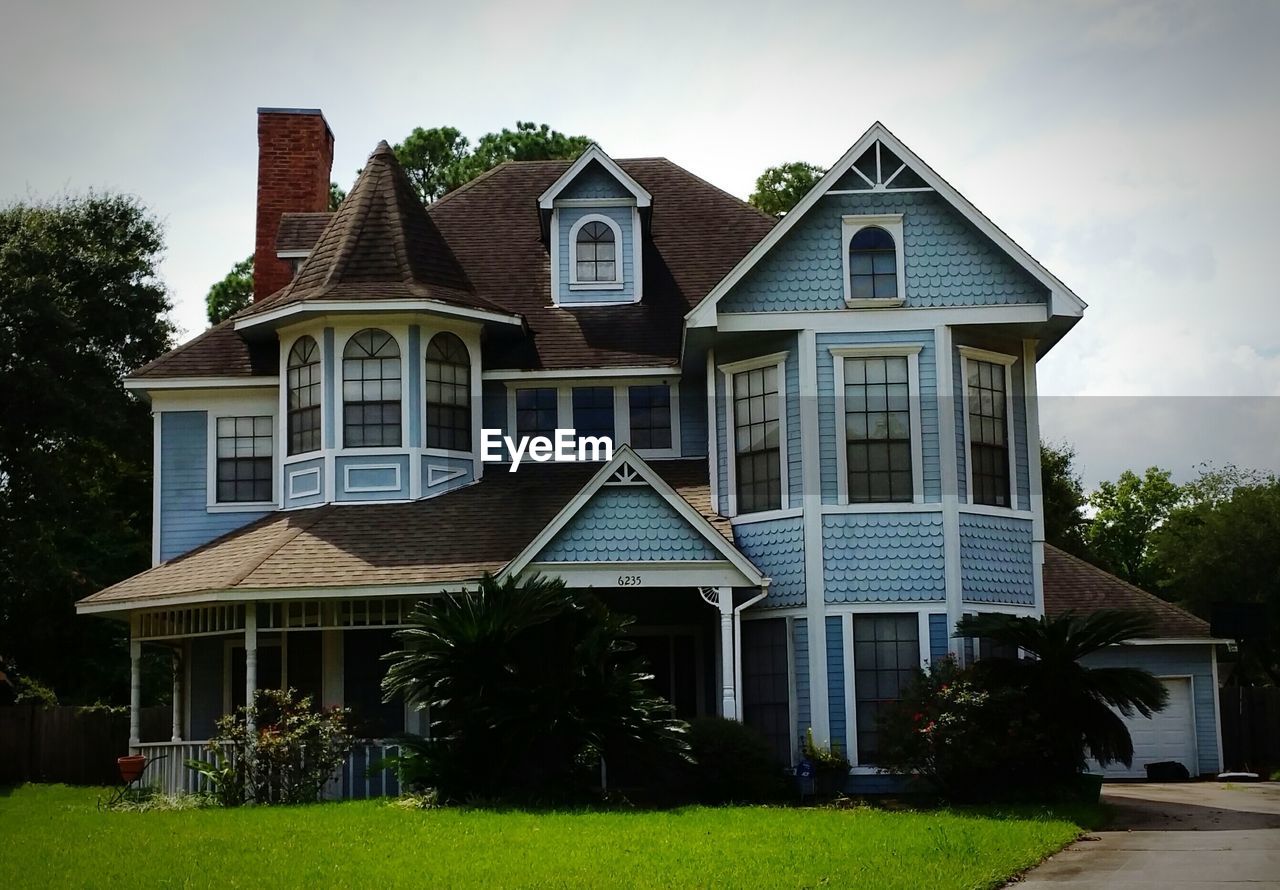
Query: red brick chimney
{"points": [[295, 159]]}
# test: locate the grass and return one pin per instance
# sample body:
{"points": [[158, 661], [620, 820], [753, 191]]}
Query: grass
{"points": [[53, 836]]}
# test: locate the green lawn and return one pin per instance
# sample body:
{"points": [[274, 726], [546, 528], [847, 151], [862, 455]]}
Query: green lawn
{"points": [[52, 836]]}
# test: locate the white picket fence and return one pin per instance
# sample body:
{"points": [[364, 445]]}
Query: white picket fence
{"points": [[357, 778]]}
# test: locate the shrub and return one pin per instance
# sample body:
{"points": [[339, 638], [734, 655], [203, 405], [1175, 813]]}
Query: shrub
{"points": [[528, 685], [292, 752], [732, 763]]}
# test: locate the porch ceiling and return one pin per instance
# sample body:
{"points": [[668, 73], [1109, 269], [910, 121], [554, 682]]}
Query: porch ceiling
{"points": [[444, 540]]}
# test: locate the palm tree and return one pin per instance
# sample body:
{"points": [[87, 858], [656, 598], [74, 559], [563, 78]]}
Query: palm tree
{"points": [[527, 685], [1076, 705]]}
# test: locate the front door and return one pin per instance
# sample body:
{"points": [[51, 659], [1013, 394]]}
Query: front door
{"points": [[672, 658]]}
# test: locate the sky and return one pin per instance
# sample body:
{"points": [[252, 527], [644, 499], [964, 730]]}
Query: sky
{"points": [[1129, 146]]}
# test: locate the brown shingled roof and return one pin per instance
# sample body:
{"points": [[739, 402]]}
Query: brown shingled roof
{"points": [[217, 352], [380, 244], [455, 537], [1073, 585], [486, 242], [301, 231]]}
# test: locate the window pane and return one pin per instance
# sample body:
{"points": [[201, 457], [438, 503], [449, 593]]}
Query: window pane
{"points": [[878, 439], [757, 433], [593, 410], [243, 450], [371, 390], [448, 374], [988, 433], [882, 669]]}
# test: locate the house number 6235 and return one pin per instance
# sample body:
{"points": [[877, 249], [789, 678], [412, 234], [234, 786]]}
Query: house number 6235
{"points": [[628, 580]]}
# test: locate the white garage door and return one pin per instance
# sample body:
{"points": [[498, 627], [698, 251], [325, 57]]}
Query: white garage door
{"points": [[1166, 735]]}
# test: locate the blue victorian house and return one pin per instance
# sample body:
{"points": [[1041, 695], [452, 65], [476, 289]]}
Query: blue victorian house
{"points": [[825, 429]]}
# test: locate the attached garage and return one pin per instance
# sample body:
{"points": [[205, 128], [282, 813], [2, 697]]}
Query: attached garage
{"points": [[1181, 653]]}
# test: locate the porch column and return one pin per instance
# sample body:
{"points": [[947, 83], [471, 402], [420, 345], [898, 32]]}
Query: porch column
{"points": [[135, 685], [250, 661], [728, 671], [177, 695]]}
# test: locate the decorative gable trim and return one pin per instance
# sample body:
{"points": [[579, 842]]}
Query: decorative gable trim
{"points": [[594, 153], [628, 468], [1062, 300]]}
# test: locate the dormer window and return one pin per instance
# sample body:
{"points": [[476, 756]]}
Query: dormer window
{"points": [[371, 391], [874, 267], [596, 240]]}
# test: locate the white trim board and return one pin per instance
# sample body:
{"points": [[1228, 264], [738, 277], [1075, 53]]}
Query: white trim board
{"points": [[1062, 300], [594, 153], [358, 306]]}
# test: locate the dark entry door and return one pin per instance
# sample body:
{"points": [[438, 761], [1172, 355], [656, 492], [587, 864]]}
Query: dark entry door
{"points": [[765, 683], [673, 661]]}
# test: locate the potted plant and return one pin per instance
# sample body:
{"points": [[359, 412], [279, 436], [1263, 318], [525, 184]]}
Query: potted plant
{"points": [[827, 764]]}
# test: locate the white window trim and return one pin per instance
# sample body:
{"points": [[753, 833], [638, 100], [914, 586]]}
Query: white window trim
{"points": [[729, 369], [294, 494], [399, 333], [968, 353], [245, 408], [621, 407], [889, 350], [891, 223], [619, 280]]}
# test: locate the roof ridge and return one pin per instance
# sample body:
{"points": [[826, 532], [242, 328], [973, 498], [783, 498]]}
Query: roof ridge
{"points": [[249, 566]]}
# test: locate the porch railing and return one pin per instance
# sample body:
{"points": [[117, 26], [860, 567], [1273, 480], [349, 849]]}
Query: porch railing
{"points": [[167, 769]]}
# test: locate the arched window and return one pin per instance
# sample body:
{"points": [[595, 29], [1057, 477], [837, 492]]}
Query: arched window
{"points": [[448, 393], [596, 253], [304, 396], [873, 265], [371, 390]]}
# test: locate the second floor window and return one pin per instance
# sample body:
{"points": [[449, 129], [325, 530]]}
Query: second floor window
{"points": [[596, 253], [650, 409], [303, 374], [878, 429], [536, 411], [757, 439], [244, 459], [371, 390], [448, 393], [988, 433], [593, 410], [873, 265]]}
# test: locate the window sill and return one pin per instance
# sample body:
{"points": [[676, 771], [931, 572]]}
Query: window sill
{"points": [[597, 285], [241, 507], [877, 303]]}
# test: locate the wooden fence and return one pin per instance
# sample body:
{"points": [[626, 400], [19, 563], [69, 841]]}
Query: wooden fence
{"points": [[1250, 728], [67, 744]]}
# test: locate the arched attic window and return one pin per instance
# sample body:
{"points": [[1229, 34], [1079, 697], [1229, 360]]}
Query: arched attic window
{"points": [[873, 265], [596, 252], [303, 373], [448, 393], [371, 390]]}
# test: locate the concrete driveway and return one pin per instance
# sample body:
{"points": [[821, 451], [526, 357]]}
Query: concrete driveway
{"points": [[1175, 836]]}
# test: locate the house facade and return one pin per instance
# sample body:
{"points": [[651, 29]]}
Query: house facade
{"points": [[824, 428]]}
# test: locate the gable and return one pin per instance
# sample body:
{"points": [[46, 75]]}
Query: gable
{"points": [[627, 523], [947, 261], [594, 182]]}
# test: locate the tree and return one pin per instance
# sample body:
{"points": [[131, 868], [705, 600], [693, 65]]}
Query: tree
{"points": [[527, 684], [780, 188], [336, 195], [1075, 706], [1064, 498], [1128, 511], [232, 293], [1222, 545], [81, 304], [441, 159]]}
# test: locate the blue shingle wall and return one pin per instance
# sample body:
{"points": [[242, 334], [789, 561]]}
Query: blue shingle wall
{"points": [[693, 416], [776, 547], [800, 647], [594, 182], [883, 557], [995, 559], [828, 423], [1176, 661], [623, 253], [185, 521], [947, 261], [938, 638], [627, 523], [835, 681]]}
